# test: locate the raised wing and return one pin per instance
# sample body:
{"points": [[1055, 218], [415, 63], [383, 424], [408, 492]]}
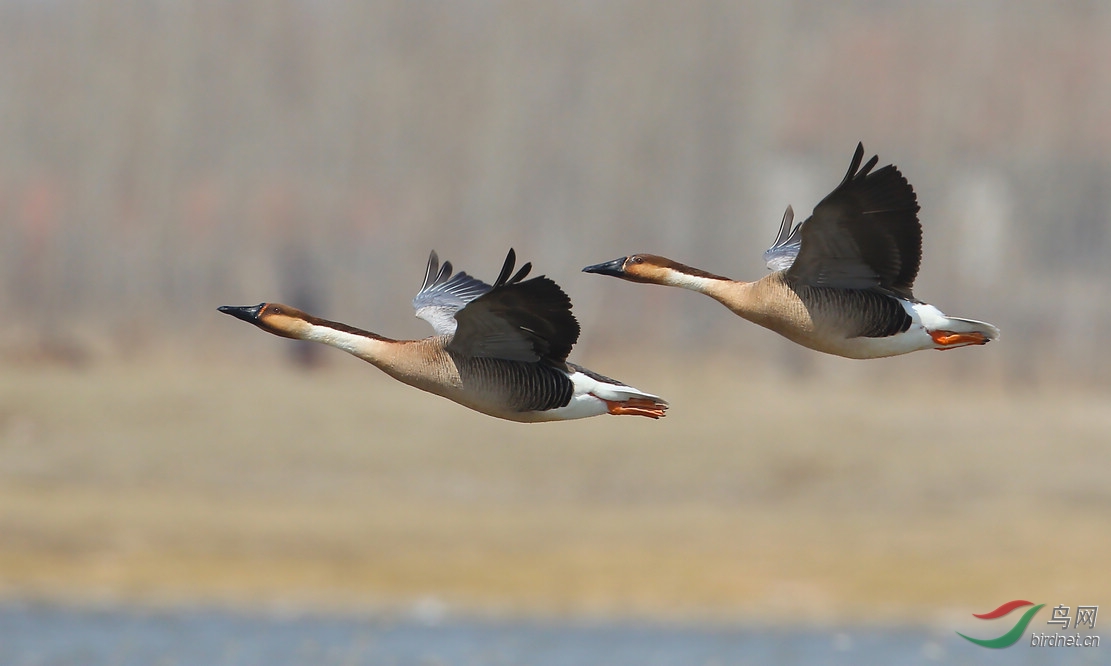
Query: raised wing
{"points": [[443, 294], [783, 251], [517, 320], [864, 235]]}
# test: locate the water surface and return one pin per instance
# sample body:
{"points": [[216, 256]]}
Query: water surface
{"points": [[41, 635]]}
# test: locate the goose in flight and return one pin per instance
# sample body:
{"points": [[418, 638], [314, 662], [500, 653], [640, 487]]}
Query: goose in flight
{"points": [[842, 280], [499, 349]]}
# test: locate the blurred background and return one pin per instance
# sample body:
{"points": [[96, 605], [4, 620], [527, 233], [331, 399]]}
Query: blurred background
{"points": [[163, 158]]}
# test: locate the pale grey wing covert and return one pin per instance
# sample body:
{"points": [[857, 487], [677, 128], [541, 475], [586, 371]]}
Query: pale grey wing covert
{"points": [[785, 248], [442, 294]]}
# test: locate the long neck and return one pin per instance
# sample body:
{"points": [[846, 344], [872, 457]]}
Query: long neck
{"points": [[741, 297], [703, 283], [368, 346], [675, 274], [420, 363]]}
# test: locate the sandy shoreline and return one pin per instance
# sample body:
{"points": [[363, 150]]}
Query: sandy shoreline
{"points": [[204, 485]]}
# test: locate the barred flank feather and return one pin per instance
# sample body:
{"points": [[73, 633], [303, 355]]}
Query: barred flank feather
{"points": [[859, 313], [524, 387]]}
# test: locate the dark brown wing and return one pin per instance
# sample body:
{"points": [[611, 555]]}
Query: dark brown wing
{"points": [[517, 320], [864, 235]]}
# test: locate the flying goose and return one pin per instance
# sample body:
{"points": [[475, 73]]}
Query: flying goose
{"points": [[499, 349], [842, 280]]}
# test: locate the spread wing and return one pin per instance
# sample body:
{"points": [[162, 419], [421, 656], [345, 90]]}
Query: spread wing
{"points": [[517, 320], [783, 251], [443, 294], [864, 235]]}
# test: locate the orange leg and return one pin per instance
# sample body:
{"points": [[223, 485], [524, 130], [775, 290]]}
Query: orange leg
{"points": [[951, 340], [635, 407]]}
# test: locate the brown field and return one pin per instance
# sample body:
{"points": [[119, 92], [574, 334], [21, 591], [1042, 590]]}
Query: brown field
{"points": [[761, 498]]}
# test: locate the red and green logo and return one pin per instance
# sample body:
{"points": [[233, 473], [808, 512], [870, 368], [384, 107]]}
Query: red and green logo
{"points": [[1011, 637]]}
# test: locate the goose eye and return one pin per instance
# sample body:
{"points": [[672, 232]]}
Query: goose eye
{"points": [[637, 260]]}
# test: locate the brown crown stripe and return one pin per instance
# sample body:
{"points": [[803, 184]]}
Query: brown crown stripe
{"points": [[664, 262]]}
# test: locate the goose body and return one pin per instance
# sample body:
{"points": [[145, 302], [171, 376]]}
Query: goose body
{"points": [[499, 349], [842, 280]]}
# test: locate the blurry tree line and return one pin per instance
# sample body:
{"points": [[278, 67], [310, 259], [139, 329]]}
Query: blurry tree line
{"points": [[162, 158]]}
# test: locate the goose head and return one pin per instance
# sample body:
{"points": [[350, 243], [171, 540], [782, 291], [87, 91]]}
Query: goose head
{"points": [[654, 269], [275, 318], [647, 268]]}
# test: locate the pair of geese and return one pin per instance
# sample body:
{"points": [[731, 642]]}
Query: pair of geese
{"points": [[841, 284]]}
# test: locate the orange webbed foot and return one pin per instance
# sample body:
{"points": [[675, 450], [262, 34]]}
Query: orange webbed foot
{"points": [[636, 407], [951, 340]]}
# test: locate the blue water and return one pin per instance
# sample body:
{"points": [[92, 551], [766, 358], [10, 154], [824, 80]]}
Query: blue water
{"points": [[44, 635]]}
